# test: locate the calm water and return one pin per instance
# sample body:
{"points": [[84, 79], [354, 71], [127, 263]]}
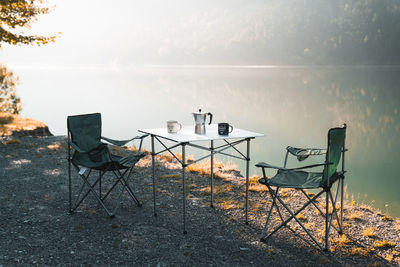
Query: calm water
{"points": [[290, 105]]}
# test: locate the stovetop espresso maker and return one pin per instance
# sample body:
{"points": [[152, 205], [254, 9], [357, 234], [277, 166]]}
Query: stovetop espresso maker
{"points": [[200, 121]]}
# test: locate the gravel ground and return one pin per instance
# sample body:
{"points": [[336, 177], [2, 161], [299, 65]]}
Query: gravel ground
{"points": [[36, 228]]}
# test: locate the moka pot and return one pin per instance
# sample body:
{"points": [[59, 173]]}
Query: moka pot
{"points": [[200, 121]]}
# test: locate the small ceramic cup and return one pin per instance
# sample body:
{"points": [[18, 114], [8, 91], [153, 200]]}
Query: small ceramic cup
{"points": [[224, 128], [173, 126]]}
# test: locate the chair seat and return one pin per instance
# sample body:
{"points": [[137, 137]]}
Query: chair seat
{"points": [[294, 179], [99, 160], [299, 179], [129, 161]]}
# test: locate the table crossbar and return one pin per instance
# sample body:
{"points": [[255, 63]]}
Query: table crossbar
{"points": [[187, 139]]}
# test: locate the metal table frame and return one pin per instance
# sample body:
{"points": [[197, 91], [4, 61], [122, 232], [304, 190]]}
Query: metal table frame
{"points": [[156, 134]]}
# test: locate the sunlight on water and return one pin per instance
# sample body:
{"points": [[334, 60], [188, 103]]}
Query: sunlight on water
{"points": [[291, 106]]}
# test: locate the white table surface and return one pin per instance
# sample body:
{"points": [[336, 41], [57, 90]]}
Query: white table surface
{"points": [[186, 134]]}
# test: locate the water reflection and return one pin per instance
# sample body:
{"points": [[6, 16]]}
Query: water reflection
{"points": [[291, 106]]}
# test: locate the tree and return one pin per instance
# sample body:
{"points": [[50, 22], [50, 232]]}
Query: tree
{"points": [[16, 15], [9, 101], [20, 14]]}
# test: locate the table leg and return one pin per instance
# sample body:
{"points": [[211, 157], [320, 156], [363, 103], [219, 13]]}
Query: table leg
{"points": [[247, 179], [184, 187], [212, 174], [154, 171]]}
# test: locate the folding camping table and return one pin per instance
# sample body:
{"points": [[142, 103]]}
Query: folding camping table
{"points": [[187, 137]]}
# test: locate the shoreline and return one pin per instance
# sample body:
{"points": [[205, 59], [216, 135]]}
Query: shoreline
{"points": [[370, 237]]}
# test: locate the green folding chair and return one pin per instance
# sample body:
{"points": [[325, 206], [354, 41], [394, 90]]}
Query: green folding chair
{"points": [[87, 153], [297, 178]]}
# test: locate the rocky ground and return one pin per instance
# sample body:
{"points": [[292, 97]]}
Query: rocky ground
{"points": [[36, 228]]}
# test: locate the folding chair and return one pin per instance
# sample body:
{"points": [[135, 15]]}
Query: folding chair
{"points": [[89, 153], [297, 178]]}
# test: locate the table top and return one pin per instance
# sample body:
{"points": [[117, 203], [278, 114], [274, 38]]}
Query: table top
{"points": [[186, 134]]}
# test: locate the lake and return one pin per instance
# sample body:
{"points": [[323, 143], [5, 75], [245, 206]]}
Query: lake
{"points": [[290, 105]]}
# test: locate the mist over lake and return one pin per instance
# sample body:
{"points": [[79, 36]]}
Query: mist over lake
{"points": [[291, 105]]}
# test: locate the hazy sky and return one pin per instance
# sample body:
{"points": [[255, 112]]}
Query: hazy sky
{"points": [[136, 32], [243, 32]]}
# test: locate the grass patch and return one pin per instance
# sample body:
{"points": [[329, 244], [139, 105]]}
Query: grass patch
{"points": [[53, 146], [355, 215], [352, 203], [255, 186], [366, 207], [255, 206], [301, 217], [359, 251], [166, 176], [229, 204], [10, 123], [369, 232], [384, 244], [387, 218], [204, 168], [5, 119], [341, 240], [12, 142], [217, 190], [309, 225], [389, 257]]}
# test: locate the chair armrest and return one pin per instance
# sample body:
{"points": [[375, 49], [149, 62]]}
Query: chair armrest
{"points": [[269, 166], [266, 165], [303, 153], [122, 142]]}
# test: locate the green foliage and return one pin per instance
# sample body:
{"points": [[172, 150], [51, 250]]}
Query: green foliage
{"points": [[19, 14], [9, 101], [16, 15]]}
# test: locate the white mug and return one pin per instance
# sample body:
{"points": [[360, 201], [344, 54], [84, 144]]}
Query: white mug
{"points": [[173, 126]]}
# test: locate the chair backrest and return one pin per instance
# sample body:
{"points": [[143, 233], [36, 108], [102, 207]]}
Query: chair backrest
{"points": [[336, 142], [85, 130]]}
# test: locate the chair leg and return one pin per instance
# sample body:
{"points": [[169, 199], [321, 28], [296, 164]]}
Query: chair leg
{"points": [[326, 219], [293, 216], [79, 199], [125, 184], [91, 189], [334, 208], [276, 205], [69, 186], [132, 194], [118, 180], [118, 202], [341, 206], [100, 184], [267, 220], [122, 178], [319, 210], [329, 217]]}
